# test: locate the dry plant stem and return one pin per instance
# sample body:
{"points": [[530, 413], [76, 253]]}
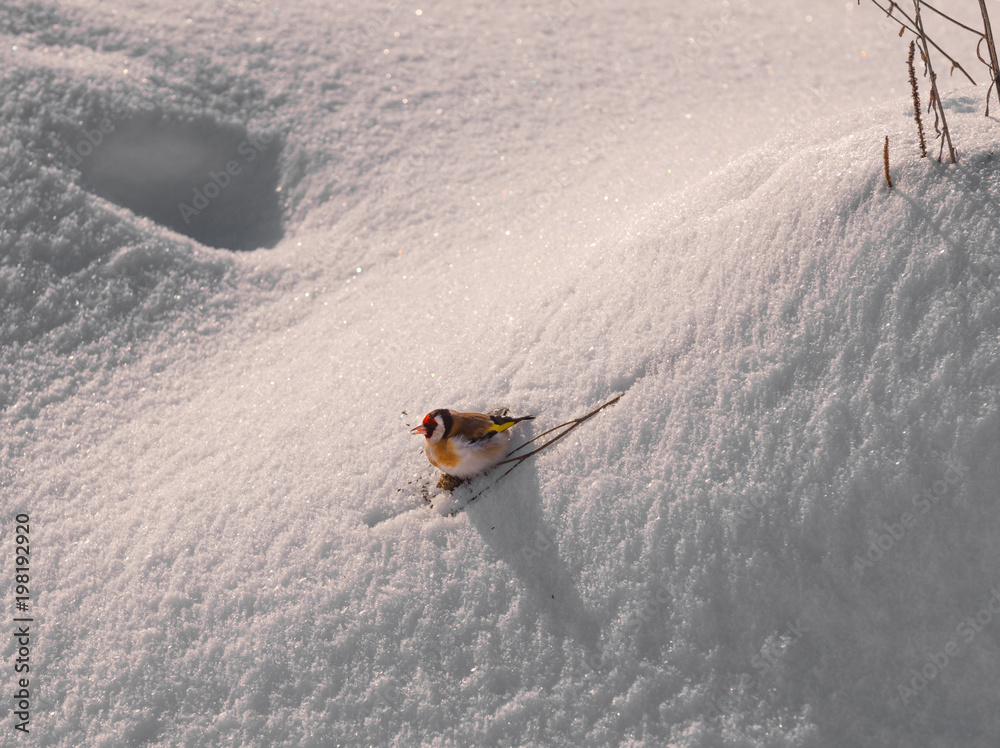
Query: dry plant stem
{"points": [[958, 23], [572, 425], [935, 98], [885, 162], [993, 53], [518, 460], [916, 100], [927, 40]]}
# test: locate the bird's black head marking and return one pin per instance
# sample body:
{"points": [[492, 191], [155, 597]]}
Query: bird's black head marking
{"points": [[431, 423], [445, 416]]}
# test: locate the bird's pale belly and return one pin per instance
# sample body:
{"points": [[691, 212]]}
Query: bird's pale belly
{"points": [[442, 455], [463, 461]]}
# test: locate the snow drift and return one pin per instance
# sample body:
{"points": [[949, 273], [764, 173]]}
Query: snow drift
{"points": [[808, 358], [783, 534]]}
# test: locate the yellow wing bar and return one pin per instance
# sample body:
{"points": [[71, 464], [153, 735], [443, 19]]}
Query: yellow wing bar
{"points": [[502, 426]]}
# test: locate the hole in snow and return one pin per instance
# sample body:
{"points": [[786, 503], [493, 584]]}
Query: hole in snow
{"points": [[215, 183]]}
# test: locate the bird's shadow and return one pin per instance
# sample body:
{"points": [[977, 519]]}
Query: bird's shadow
{"points": [[509, 519]]}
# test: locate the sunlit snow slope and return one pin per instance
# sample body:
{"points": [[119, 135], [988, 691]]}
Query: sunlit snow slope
{"points": [[784, 533]]}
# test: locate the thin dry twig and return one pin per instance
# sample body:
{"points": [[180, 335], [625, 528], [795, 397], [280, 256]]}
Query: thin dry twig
{"points": [[945, 134], [910, 26], [994, 65], [907, 23], [521, 458], [572, 425], [927, 5]]}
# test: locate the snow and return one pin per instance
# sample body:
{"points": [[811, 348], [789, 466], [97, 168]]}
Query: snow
{"points": [[782, 534]]}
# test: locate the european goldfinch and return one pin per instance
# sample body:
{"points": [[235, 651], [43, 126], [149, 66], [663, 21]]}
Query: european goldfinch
{"points": [[466, 444]]}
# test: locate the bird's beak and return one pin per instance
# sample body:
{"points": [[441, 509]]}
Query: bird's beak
{"points": [[419, 430]]}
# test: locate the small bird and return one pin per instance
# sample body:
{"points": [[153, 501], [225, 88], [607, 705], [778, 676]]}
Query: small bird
{"points": [[462, 445]]}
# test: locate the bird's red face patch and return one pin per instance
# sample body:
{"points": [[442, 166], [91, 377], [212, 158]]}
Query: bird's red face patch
{"points": [[435, 426], [429, 424]]}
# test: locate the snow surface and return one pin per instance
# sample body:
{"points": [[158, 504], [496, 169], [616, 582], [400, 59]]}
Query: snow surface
{"points": [[789, 516]]}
